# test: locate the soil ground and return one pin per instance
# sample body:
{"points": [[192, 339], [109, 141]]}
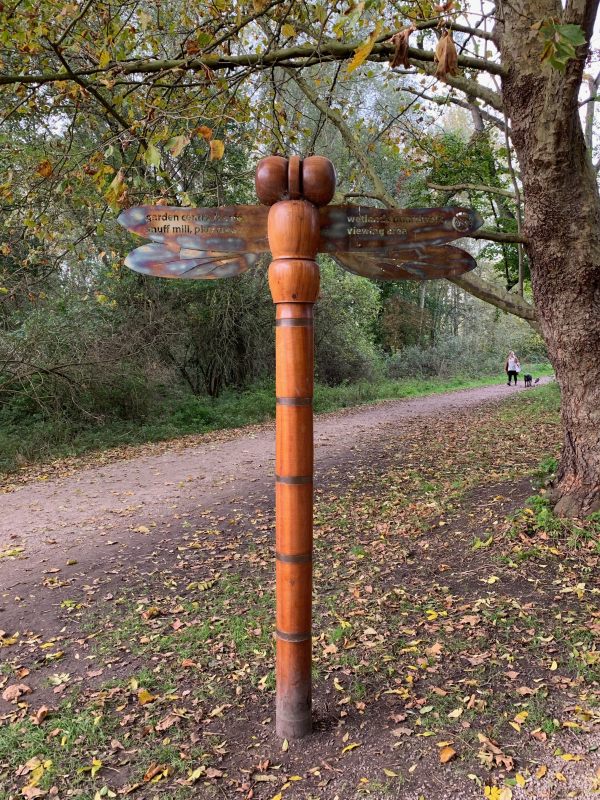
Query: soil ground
{"points": [[455, 649]]}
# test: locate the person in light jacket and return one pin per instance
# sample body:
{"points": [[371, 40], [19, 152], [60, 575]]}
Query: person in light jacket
{"points": [[512, 367]]}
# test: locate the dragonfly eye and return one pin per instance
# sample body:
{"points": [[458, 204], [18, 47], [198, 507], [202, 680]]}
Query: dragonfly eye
{"points": [[311, 179]]}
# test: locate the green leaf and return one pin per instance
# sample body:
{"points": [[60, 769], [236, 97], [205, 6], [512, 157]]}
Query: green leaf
{"points": [[574, 33], [152, 155], [560, 42]]}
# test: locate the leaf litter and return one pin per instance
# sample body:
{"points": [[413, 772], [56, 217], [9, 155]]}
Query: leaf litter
{"points": [[428, 674]]}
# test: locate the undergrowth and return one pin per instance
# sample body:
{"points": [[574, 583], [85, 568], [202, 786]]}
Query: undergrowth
{"points": [[36, 437]]}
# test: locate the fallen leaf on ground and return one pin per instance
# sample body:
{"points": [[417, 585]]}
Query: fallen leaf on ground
{"points": [[446, 754], [12, 693]]}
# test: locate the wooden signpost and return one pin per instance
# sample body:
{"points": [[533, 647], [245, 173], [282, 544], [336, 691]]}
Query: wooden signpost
{"points": [[295, 223]]}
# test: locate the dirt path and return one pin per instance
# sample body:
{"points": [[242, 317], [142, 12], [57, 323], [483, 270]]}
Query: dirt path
{"points": [[79, 517]]}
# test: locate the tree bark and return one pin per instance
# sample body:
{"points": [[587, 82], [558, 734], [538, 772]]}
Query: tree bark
{"points": [[562, 230]]}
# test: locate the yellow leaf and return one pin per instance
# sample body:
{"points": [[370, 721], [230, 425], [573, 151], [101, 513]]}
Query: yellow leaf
{"points": [[44, 169], [350, 747], [116, 189], [541, 771], [521, 717], [456, 713], [12, 553], [104, 59], [520, 780], [553, 666], [559, 776], [144, 697], [285, 746], [491, 579], [390, 773], [516, 726], [491, 792], [217, 149], [505, 793], [446, 754], [96, 766], [288, 30], [196, 774], [363, 51], [571, 757], [177, 145]]}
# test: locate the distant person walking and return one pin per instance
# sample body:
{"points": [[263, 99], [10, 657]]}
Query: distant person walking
{"points": [[512, 367]]}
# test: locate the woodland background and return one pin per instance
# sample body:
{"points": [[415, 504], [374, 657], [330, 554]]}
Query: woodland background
{"points": [[92, 354]]}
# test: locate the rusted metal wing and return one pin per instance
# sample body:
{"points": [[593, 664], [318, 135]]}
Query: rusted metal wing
{"points": [[227, 229], [168, 260], [347, 229], [419, 264]]}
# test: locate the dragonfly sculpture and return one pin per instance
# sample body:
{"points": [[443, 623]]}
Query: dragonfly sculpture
{"points": [[384, 244], [377, 243]]}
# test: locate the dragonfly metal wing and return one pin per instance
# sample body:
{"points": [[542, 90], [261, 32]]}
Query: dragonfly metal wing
{"points": [[168, 260], [417, 264], [228, 229], [350, 229]]}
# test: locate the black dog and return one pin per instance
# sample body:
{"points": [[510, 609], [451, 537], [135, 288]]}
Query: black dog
{"points": [[527, 379]]}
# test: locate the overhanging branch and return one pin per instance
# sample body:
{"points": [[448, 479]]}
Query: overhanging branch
{"points": [[326, 51], [353, 144], [505, 301]]}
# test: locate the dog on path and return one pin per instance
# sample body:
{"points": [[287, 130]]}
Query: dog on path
{"points": [[527, 379]]}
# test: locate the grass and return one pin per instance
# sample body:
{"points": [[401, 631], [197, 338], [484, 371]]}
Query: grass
{"points": [[82, 733], [35, 438]]}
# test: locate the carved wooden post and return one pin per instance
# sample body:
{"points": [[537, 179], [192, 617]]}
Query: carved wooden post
{"points": [[294, 234]]}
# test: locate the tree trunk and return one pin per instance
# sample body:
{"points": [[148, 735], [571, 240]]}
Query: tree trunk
{"points": [[562, 226]]}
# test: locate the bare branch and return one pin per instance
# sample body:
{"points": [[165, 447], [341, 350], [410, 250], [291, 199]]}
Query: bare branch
{"points": [[353, 144], [498, 236], [457, 101], [455, 26], [475, 187], [365, 194], [469, 87]]}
